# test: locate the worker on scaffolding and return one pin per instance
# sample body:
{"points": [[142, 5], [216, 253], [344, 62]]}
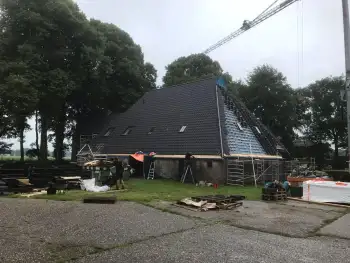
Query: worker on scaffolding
{"points": [[117, 172]]}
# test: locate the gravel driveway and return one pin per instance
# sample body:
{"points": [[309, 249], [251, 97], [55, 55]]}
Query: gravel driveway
{"points": [[49, 231]]}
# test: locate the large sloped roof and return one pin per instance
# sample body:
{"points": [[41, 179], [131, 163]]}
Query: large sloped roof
{"points": [[155, 121], [166, 110]]}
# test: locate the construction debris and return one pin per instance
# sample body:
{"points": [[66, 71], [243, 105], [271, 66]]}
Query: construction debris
{"points": [[212, 202]]}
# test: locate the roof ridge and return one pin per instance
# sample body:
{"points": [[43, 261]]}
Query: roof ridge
{"points": [[179, 85], [190, 82]]}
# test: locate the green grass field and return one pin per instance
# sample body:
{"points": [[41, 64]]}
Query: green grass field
{"points": [[144, 191]]}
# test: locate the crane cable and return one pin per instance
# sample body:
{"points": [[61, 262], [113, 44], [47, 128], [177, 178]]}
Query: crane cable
{"points": [[267, 9], [300, 43]]}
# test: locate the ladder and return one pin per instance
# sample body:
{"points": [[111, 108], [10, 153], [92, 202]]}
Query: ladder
{"points": [[187, 170], [151, 170], [235, 172], [259, 170]]}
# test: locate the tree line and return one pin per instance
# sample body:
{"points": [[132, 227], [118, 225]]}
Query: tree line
{"points": [[60, 67]]}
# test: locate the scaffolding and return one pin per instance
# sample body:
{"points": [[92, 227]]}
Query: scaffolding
{"points": [[89, 151], [235, 172], [297, 166], [250, 171]]}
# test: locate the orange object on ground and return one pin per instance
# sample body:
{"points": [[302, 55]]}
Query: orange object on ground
{"points": [[302, 179], [341, 184]]}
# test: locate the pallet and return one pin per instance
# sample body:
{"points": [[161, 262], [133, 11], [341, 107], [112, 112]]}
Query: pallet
{"points": [[229, 206], [219, 199], [274, 197]]}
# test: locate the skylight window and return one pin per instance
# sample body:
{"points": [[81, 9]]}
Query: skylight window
{"points": [[183, 128], [127, 131], [109, 131], [151, 130]]}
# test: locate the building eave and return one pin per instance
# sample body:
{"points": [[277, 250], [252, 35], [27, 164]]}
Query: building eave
{"points": [[261, 156]]}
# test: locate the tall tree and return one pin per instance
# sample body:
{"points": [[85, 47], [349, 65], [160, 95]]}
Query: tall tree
{"points": [[112, 76], [269, 96], [185, 69], [18, 97], [46, 34], [328, 120], [20, 100]]}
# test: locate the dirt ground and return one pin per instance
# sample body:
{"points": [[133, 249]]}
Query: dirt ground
{"points": [[290, 218]]}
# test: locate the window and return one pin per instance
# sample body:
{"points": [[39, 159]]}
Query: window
{"points": [[151, 130], [239, 126], [183, 128], [127, 130], [109, 131], [257, 129], [210, 164]]}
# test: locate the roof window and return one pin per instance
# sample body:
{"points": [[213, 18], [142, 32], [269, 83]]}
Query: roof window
{"points": [[127, 131], [151, 130], [239, 126], [183, 128], [109, 131]]}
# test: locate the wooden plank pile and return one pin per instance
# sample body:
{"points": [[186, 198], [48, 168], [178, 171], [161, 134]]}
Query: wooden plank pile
{"points": [[13, 180], [212, 202]]}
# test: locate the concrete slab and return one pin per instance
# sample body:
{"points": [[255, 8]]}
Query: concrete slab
{"points": [[221, 244], [339, 228], [289, 218], [35, 230]]}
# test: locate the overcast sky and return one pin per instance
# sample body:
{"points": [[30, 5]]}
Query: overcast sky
{"points": [[304, 41]]}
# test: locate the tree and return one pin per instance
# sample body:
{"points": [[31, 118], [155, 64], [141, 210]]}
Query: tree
{"points": [[111, 76], [269, 96], [67, 66], [328, 121], [5, 148], [20, 100], [45, 37], [33, 152], [235, 86], [150, 76], [185, 69]]}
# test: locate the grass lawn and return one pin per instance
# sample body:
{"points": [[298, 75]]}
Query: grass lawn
{"points": [[139, 190]]}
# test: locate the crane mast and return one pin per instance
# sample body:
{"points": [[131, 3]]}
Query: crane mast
{"points": [[250, 24]]}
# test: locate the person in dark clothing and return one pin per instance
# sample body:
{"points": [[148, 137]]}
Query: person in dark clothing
{"points": [[30, 172], [117, 171]]}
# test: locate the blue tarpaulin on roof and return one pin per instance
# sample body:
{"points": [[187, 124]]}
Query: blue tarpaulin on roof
{"points": [[221, 82]]}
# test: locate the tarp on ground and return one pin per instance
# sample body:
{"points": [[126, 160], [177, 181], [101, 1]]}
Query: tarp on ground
{"points": [[326, 191], [90, 186]]}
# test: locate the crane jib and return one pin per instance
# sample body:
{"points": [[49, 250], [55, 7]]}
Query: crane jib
{"points": [[267, 13]]}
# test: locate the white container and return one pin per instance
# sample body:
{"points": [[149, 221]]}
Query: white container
{"points": [[326, 191]]}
